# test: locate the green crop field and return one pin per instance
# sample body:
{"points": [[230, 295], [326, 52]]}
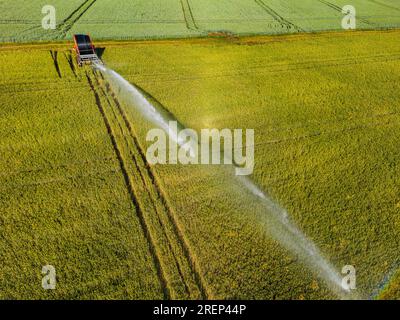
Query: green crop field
{"points": [[62, 198], [77, 191], [139, 19], [326, 143]]}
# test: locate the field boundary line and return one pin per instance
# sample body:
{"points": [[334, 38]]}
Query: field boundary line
{"points": [[161, 195], [188, 15], [130, 189], [277, 17]]}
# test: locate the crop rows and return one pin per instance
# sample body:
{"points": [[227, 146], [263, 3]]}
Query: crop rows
{"points": [[76, 190], [188, 14], [111, 19], [176, 266], [323, 132], [62, 195]]}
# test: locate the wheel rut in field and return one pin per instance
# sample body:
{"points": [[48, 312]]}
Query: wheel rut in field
{"points": [[179, 268], [131, 190], [277, 17], [139, 177], [171, 216], [339, 9], [188, 15], [73, 18]]}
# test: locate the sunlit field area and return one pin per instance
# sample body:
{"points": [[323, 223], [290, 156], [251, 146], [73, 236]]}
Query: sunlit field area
{"points": [[78, 193]]}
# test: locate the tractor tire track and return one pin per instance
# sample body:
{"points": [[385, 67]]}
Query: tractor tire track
{"points": [[277, 17], [176, 230], [128, 183], [339, 9], [143, 181], [73, 18], [200, 283], [188, 15]]}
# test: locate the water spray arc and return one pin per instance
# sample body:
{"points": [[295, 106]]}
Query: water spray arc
{"points": [[280, 225]]}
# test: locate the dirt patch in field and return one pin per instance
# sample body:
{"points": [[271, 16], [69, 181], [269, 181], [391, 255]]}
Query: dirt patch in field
{"points": [[223, 34]]}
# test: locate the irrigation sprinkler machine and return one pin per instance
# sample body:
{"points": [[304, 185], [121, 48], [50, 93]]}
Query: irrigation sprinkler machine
{"points": [[85, 50]]}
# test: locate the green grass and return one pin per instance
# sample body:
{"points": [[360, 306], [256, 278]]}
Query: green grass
{"points": [[144, 19]]}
